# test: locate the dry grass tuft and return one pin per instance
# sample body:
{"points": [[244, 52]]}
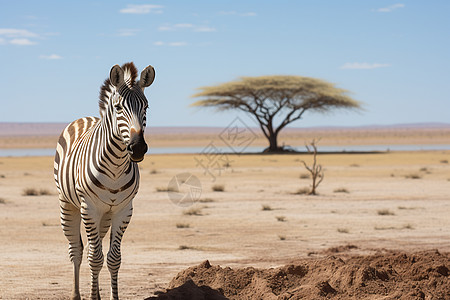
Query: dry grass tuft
{"points": [[281, 218], [302, 191], [183, 225], [36, 192], [343, 230], [385, 212], [206, 200], [266, 207], [193, 212], [165, 189], [218, 188], [413, 176], [341, 190]]}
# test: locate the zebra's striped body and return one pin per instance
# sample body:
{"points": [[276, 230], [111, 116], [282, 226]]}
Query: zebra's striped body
{"points": [[97, 175]]}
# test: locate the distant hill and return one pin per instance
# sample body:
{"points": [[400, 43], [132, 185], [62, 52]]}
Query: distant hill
{"points": [[51, 129]]}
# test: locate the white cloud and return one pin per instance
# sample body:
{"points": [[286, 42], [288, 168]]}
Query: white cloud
{"points": [[186, 26], [235, 13], [21, 42], [364, 66], [51, 57], [19, 37], [142, 9], [390, 8], [171, 44], [17, 33], [128, 32]]}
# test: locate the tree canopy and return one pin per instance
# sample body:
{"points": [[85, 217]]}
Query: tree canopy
{"points": [[276, 101]]}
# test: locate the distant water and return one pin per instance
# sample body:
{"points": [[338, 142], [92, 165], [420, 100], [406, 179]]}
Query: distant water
{"points": [[179, 150]]}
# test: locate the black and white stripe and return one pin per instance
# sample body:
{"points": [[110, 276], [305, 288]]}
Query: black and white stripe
{"points": [[96, 172]]}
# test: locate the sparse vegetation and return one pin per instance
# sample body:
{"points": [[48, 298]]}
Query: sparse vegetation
{"points": [[184, 247], [342, 230], [165, 189], [341, 190], [183, 225], [218, 188], [302, 191], [385, 212], [206, 200], [281, 218], [413, 176], [36, 192], [316, 170], [193, 211], [266, 207]]}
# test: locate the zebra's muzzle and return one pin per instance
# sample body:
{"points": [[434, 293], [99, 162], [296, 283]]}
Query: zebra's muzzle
{"points": [[137, 147]]}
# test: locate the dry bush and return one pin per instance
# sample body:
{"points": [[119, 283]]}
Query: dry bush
{"points": [[2, 201], [193, 212], [282, 237], [183, 225], [281, 218], [444, 161], [302, 191], [218, 188], [30, 192], [305, 176], [413, 176], [206, 200], [266, 207], [315, 170], [385, 212], [44, 192], [342, 230], [165, 189], [341, 190], [184, 247]]}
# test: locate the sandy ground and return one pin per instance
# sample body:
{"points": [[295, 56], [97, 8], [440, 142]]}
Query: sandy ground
{"points": [[396, 201]]}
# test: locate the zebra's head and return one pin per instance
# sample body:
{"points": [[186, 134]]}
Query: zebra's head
{"points": [[127, 106]]}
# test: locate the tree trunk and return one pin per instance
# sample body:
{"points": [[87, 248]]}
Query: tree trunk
{"points": [[273, 143]]}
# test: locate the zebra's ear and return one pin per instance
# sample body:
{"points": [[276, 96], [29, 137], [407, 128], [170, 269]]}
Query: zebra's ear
{"points": [[116, 76], [147, 77]]}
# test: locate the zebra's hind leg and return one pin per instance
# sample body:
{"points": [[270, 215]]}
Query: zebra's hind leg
{"points": [[70, 222], [120, 223]]}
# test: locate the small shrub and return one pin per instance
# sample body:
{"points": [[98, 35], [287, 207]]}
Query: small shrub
{"points": [[413, 176], [184, 247], [305, 176], [192, 212], [44, 192], [342, 230], [385, 212], [266, 207], [165, 189], [183, 225], [281, 218], [341, 190], [2, 176], [444, 161], [218, 188], [30, 192], [302, 191], [282, 237], [2, 201], [206, 200]]}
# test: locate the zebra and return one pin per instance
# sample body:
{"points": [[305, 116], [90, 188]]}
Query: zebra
{"points": [[97, 174]]}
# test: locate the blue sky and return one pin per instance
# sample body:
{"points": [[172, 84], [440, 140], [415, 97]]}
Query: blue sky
{"points": [[392, 55]]}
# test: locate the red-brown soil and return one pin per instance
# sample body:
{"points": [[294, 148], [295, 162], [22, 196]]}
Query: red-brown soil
{"points": [[384, 275]]}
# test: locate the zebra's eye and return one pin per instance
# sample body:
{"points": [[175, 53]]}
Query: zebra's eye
{"points": [[118, 107]]}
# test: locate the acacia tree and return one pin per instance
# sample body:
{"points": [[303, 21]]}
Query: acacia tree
{"points": [[275, 101]]}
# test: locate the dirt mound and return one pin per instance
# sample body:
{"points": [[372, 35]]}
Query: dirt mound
{"points": [[389, 275]]}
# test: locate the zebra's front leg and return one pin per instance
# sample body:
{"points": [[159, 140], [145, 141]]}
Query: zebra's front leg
{"points": [[92, 223], [120, 222]]}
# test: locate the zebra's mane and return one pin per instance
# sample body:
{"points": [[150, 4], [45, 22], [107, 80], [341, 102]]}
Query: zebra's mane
{"points": [[130, 75]]}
